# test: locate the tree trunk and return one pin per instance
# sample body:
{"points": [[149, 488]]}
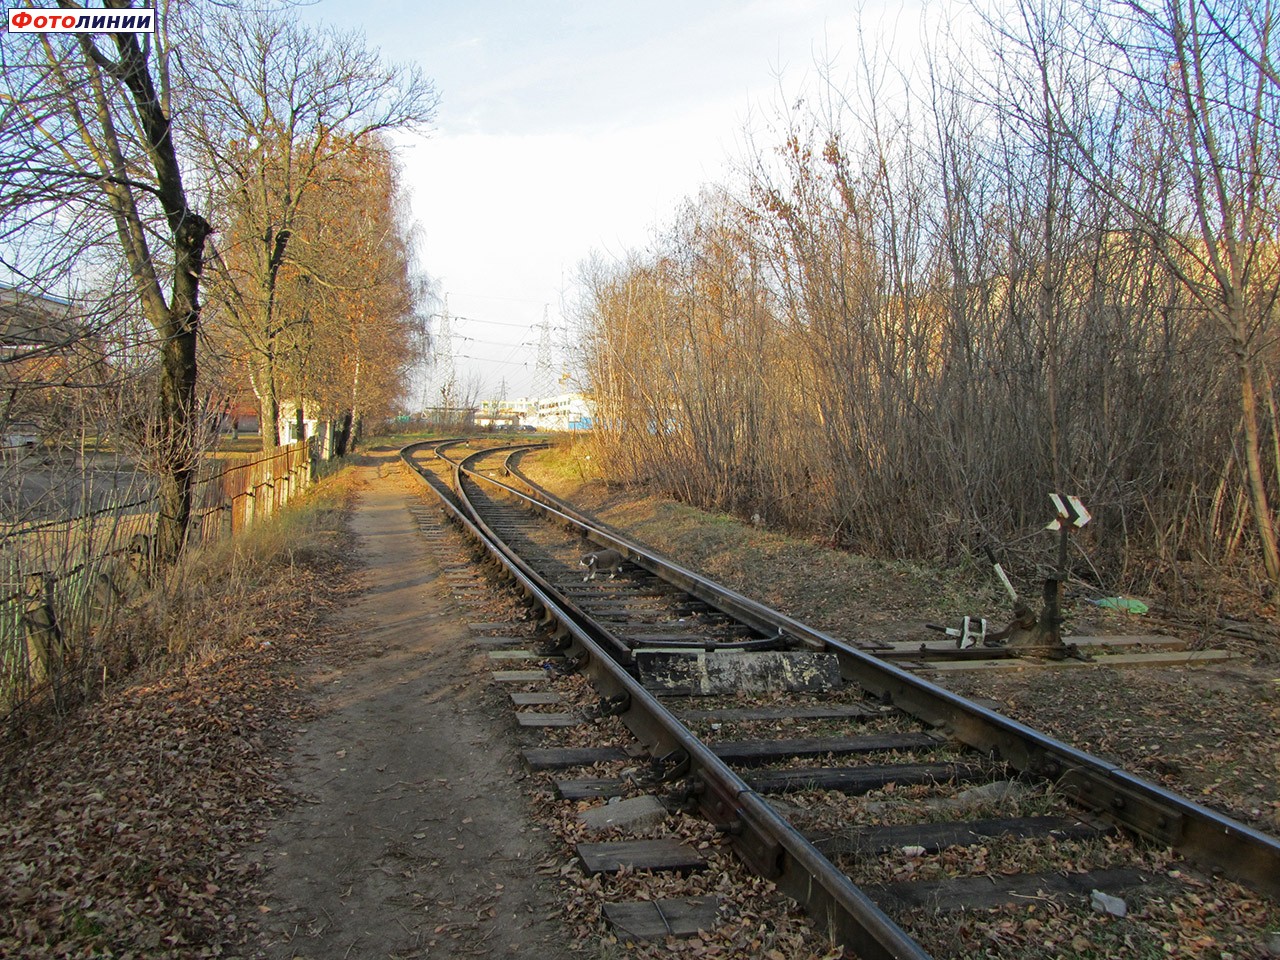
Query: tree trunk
{"points": [[343, 438], [1257, 483], [264, 389], [353, 433], [178, 321], [176, 437]]}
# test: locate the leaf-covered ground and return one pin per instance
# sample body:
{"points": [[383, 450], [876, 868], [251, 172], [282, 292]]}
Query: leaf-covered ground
{"points": [[124, 828], [127, 830], [1210, 732]]}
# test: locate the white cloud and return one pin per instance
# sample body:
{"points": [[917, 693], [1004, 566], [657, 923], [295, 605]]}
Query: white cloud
{"points": [[579, 126], [508, 218]]}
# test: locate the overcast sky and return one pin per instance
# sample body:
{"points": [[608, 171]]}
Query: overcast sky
{"points": [[577, 126]]}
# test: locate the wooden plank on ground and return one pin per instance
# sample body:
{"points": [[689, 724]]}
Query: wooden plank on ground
{"points": [[658, 919], [988, 892], [560, 758], [488, 627], [534, 718], [864, 778], [835, 711], [590, 789], [937, 836], [517, 655], [747, 752], [662, 854], [535, 699], [1118, 641], [1157, 658], [1102, 641]]}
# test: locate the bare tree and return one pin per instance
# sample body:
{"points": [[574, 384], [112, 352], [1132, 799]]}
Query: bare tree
{"points": [[276, 109], [1198, 176], [92, 160], [904, 336]]}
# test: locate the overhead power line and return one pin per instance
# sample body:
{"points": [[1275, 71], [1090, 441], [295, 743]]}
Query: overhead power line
{"points": [[497, 323], [510, 363]]}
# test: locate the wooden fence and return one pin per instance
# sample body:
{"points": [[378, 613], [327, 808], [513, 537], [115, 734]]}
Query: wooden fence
{"points": [[60, 579], [248, 489]]}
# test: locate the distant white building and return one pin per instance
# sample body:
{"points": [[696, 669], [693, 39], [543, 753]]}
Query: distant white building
{"points": [[322, 430], [569, 411], [505, 414]]}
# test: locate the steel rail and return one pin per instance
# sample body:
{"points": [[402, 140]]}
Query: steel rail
{"points": [[1202, 835], [762, 838]]}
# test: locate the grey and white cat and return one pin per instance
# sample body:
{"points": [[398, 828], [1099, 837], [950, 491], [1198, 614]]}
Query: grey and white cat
{"points": [[602, 561]]}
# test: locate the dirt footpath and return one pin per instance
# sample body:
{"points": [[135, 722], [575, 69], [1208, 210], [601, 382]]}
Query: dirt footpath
{"points": [[411, 837]]}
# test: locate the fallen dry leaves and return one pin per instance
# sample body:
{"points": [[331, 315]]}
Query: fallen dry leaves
{"points": [[124, 828], [1213, 733]]}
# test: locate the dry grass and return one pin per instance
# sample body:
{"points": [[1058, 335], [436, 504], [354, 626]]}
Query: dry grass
{"points": [[849, 595], [217, 596]]}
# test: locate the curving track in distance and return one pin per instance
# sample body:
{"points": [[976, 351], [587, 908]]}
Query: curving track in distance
{"points": [[885, 725]]}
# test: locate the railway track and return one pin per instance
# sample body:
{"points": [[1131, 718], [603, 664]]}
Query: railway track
{"points": [[779, 734]]}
